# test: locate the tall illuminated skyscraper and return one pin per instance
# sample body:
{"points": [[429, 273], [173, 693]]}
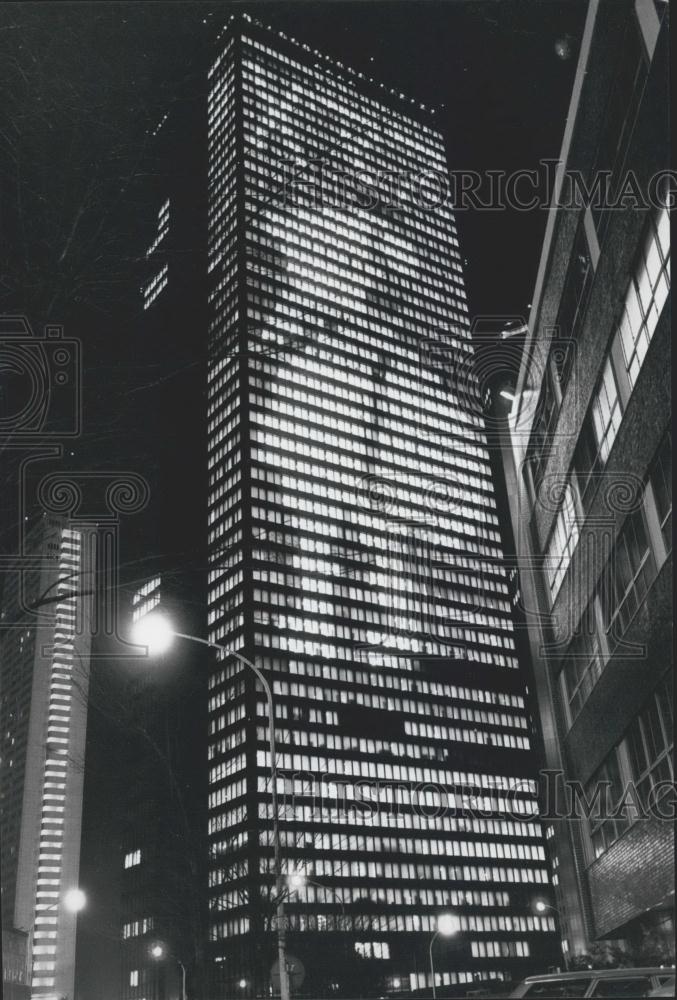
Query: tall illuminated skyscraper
{"points": [[44, 683], [354, 551]]}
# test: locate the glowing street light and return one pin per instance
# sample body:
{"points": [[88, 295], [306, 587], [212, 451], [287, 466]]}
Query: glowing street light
{"points": [[242, 984], [540, 906], [448, 925], [156, 632], [75, 900], [297, 881], [158, 952]]}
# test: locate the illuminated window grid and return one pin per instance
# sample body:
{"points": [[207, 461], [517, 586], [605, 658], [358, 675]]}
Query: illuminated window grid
{"points": [[337, 306], [50, 843]]}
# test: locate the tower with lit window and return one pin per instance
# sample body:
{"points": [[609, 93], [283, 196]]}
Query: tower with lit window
{"points": [[44, 676], [354, 551]]}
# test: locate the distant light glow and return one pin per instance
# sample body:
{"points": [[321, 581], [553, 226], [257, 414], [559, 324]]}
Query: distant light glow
{"points": [[157, 951], [564, 47], [155, 632], [297, 880], [75, 900], [448, 924]]}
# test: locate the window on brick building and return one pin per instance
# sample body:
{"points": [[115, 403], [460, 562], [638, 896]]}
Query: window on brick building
{"points": [[629, 574], [646, 294], [650, 742], [636, 774], [661, 480], [562, 541], [584, 661], [606, 411], [606, 789]]}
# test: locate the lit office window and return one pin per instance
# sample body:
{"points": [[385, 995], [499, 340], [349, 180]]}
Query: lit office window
{"points": [[320, 315], [152, 289], [650, 742], [605, 790], [132, 858], [134, 977], [372, 949], [606, 411], [583, 662], [661, 480], [646, 294], [643, 761], [563, 540], [630, 572]]}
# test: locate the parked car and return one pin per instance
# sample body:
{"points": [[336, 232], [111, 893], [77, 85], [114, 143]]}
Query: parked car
{"points": [[632, 984]]}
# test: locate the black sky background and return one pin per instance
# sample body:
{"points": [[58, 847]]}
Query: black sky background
{"points": [[84, 81], [82, 84]]}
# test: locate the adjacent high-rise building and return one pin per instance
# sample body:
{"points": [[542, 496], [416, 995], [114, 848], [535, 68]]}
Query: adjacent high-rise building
{"points": [[161, 710], [589, 478], [44, 673], [162, 856], [354, 553]]}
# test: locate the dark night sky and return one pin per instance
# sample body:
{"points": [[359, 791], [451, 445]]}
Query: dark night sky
{"points": [[83, 83], [84, 80]]}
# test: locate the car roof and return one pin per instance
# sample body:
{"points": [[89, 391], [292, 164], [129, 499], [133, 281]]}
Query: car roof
{"points": [[610, 973]]}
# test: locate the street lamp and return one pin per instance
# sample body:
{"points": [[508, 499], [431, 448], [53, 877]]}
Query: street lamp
{"points": [[448, 924], [74, 900], [155, 631], [540, 906], [297, 881], [158, 952]]}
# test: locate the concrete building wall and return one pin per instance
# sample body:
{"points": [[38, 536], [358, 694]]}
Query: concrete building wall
{"points": [[591, 257]]}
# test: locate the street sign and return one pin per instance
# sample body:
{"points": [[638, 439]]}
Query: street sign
{"points": [[296, 973]]}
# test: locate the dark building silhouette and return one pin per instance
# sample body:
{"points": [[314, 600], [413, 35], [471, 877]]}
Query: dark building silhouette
{"points": [[162, 852]]}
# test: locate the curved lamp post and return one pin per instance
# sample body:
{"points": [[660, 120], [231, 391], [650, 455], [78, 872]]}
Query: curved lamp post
{"points": [[155, 632], [448, 925], [158, 952], [297, 881], [541, 907]]}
